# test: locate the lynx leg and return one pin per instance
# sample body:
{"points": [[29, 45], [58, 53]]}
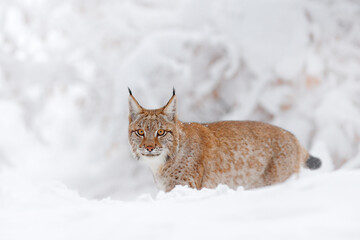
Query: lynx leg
{"points": [[270, 175], [286, 162]]}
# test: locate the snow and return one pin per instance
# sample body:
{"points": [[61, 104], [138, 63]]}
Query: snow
{"points": [[66, 170], [321, 206]]}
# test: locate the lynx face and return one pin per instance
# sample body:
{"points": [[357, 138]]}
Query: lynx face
{"points": [[153, 136]]}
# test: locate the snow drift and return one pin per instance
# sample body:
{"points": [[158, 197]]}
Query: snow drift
{"points": [[325, 206]]}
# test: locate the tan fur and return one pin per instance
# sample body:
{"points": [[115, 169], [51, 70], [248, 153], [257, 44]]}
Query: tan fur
{"points": [[235, 153]]}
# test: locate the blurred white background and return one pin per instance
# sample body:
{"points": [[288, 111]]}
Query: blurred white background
{"points": [[65, 67]]}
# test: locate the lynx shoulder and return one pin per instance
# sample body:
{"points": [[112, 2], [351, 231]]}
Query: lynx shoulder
{"points": [[235, 153]]}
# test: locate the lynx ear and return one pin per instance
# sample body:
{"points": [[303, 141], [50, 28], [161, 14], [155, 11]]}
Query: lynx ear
{"points": [[134, 107], [170, 108]]}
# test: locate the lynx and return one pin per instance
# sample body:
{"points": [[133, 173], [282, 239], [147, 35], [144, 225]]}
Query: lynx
{"points": [[236, 153]]}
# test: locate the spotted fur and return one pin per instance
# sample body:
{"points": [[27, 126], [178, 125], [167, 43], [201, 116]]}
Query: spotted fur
{"points": [[235, 153]]}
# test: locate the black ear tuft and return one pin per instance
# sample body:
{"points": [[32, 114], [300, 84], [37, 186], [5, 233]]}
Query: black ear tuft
{"points": [[130, 91], [173, 91]]}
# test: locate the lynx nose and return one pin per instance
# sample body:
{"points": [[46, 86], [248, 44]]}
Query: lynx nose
{"points": [[149, 148]]}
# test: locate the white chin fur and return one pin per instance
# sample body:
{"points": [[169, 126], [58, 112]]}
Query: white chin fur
{"points": [[153, 162]]}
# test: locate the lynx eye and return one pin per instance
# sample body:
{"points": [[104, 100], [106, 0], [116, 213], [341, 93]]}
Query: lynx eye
{"points": [[140, 132], [161, 132]]}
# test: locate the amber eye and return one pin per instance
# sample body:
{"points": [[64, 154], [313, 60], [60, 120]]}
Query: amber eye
{"points": [[160, 132], [140, 132]]}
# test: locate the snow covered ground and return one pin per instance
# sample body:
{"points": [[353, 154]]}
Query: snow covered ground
{"points": [[322, 206], [64, 71]]}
